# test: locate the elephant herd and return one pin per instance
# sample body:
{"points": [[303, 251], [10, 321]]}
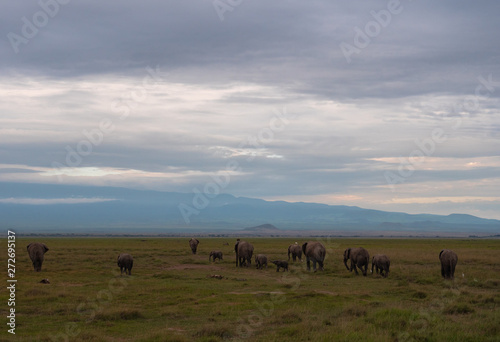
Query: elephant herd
{"points": [[314, 252]]}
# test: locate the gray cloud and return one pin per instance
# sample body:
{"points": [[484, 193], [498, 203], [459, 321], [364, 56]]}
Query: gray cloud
{"points": [[221, 81]]}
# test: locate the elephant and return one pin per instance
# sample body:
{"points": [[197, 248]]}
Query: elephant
{"points": [[281, 264], [296, 252], [381, 263], [261, 260], [315, 251], [359, 257], [36, 250], [193, 243], [244, 251], [125, 262], [448, 260], [215, 255]]}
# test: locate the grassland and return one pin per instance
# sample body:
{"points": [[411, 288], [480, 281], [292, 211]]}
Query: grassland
{"points": [[172, 296]]}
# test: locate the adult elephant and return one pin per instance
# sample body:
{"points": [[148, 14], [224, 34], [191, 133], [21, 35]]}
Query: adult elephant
{"points": [[296, 252], [359, 258], [193, 243], [315, 251], [381, 263], [244, 252], [36, 251], [125, 262], [448, 260]]}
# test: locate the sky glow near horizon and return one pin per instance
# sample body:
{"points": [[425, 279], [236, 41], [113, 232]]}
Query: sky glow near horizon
{"points": [[163, 95]]}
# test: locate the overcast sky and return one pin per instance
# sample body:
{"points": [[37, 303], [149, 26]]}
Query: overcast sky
{"points": [[379, 104]]}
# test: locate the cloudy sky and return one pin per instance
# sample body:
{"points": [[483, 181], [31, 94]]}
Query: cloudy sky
{"points": [[380, 104]]}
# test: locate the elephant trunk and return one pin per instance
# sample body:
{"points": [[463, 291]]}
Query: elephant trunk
{"points": [[347, 255]]}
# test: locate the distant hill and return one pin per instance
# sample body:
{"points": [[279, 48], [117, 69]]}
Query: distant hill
{"points": [[262, 227], [38, 208]]}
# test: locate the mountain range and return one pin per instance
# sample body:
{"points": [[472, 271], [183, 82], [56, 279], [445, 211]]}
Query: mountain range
{"points": [[49, 208]]}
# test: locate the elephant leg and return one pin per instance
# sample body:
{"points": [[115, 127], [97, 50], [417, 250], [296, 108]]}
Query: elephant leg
{"points": [[320, 265], [308, 264], [355, 268], [314, 265]]}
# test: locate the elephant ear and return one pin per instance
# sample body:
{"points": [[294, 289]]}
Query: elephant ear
{"points": [[347, 253], [236, 247], [441, 253], [28, 247], [197, 241], [304, 247], [45, 247]]}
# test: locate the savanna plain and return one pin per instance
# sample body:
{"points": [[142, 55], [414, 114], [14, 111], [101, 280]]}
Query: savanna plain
{"points": [[173, 295]]}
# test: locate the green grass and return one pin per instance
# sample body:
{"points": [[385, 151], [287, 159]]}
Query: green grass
{"points": [[171, 295]]}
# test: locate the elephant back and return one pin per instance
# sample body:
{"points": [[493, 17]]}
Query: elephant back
{"points": [[314, 249]]}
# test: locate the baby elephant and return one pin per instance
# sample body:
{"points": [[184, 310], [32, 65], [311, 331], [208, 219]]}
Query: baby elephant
{"points": [[36, 250], [281, 264], [260, 260], [381, 263], [214, 255], [125, 262]]}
